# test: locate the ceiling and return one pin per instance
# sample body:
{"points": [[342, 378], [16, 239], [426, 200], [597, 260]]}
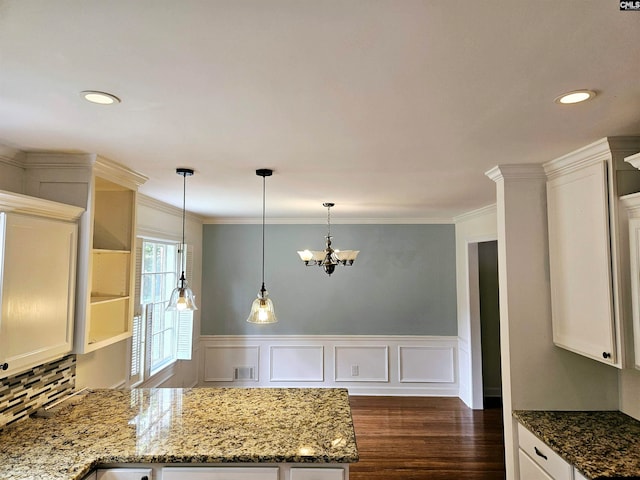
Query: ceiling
{"points": [[392, 109]]}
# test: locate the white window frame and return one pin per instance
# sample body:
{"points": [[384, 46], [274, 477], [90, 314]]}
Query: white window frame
{"points": [[141, 349]]}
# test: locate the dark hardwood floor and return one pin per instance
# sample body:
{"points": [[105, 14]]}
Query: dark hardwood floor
{"points": [[414, 438]]}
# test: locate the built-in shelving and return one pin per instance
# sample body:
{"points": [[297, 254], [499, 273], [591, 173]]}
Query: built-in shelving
{"points": [[107, 190]]}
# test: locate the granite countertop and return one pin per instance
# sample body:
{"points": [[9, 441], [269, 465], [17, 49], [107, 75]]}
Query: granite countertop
{"points": [[199, 425], [600, 444]]}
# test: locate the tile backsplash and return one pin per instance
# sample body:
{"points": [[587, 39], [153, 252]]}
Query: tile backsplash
{"points": [[23, 394]]}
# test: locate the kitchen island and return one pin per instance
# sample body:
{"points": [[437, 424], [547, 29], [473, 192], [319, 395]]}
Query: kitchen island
{"points": [[198, 426]]}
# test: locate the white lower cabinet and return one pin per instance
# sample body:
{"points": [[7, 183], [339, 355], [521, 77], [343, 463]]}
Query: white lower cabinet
{"points": [[538, 461], [317, 474], [124, 474], [220, 473], [282, 471], [578, 476], [530, 470]]}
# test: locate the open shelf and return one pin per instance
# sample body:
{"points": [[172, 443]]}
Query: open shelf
{"points": [[99, 251], [97, 298]]}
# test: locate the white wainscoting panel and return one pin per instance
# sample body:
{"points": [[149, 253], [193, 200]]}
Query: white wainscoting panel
{"points": [[297, 363], [426, 364], [362, 363], [465, 374], [221, 361]]}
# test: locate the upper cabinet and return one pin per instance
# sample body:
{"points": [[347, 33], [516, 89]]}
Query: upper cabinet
{"points": [[104, 306], [38, 245], [588, 247], [632, 204]]}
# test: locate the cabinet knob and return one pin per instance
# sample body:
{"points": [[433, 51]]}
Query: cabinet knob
{"points": [[4, 366], [606, 355], [144, 478]]}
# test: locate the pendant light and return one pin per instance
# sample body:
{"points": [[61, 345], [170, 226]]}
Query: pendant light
{"points": [[262, 308], [182, 298]]}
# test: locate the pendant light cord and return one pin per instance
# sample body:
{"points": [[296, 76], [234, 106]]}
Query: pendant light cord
{"points": [[264, 187], [184, 202], [185, 172]]}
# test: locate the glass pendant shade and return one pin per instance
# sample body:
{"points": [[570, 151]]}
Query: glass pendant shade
{"points": [[182, 298], [262, 311]]}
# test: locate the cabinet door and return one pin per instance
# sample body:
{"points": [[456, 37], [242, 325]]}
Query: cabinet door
{"points": [[634, 246], [578, 476], [317, 473], [541, 454], [529, 470], [220, 473], [580, 263], [125, 474], [38, 279]]}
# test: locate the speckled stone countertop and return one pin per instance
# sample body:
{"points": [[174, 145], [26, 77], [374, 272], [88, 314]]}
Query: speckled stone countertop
{"points": [[599, 444], [199, 425]]}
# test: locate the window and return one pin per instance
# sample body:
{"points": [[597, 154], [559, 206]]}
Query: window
{"points": [[159, 337]]}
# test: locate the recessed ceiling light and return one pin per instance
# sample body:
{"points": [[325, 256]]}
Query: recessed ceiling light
{"points": [[101, 98], [576, 96]]}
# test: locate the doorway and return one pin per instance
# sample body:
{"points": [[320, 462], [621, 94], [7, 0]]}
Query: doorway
{"points": [[489, 323]]}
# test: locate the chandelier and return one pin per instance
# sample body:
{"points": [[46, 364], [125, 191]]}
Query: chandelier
{"points": [[328, 258]]}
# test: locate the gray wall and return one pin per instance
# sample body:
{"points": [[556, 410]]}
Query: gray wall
{"points": [[403, 282]]}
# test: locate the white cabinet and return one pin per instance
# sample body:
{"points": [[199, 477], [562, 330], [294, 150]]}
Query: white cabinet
{"points": [[124, 474], [587, 247], [107, 190], [538, 461], [578, 476], [632, 204], [530, 470], [220, 473], [299, 473], [37, 278]]}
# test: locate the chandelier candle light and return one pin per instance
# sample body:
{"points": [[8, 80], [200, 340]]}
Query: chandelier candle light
{"points": [[328, 258], [182, 297], [262, 308]]}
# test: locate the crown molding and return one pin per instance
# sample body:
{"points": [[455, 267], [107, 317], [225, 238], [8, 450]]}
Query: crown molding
{"points": [[603, 150], [524, 171], [480, 212], [18, 203], [146, 201], [323, 221], [118, 173], [34, 160], [633, 160], [11, 156]]}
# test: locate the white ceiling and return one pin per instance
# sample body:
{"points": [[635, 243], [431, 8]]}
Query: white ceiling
{"points": [[389, 108]]}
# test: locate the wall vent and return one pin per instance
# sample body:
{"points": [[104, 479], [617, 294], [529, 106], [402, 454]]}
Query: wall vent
{"points": [[243, 373]]}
